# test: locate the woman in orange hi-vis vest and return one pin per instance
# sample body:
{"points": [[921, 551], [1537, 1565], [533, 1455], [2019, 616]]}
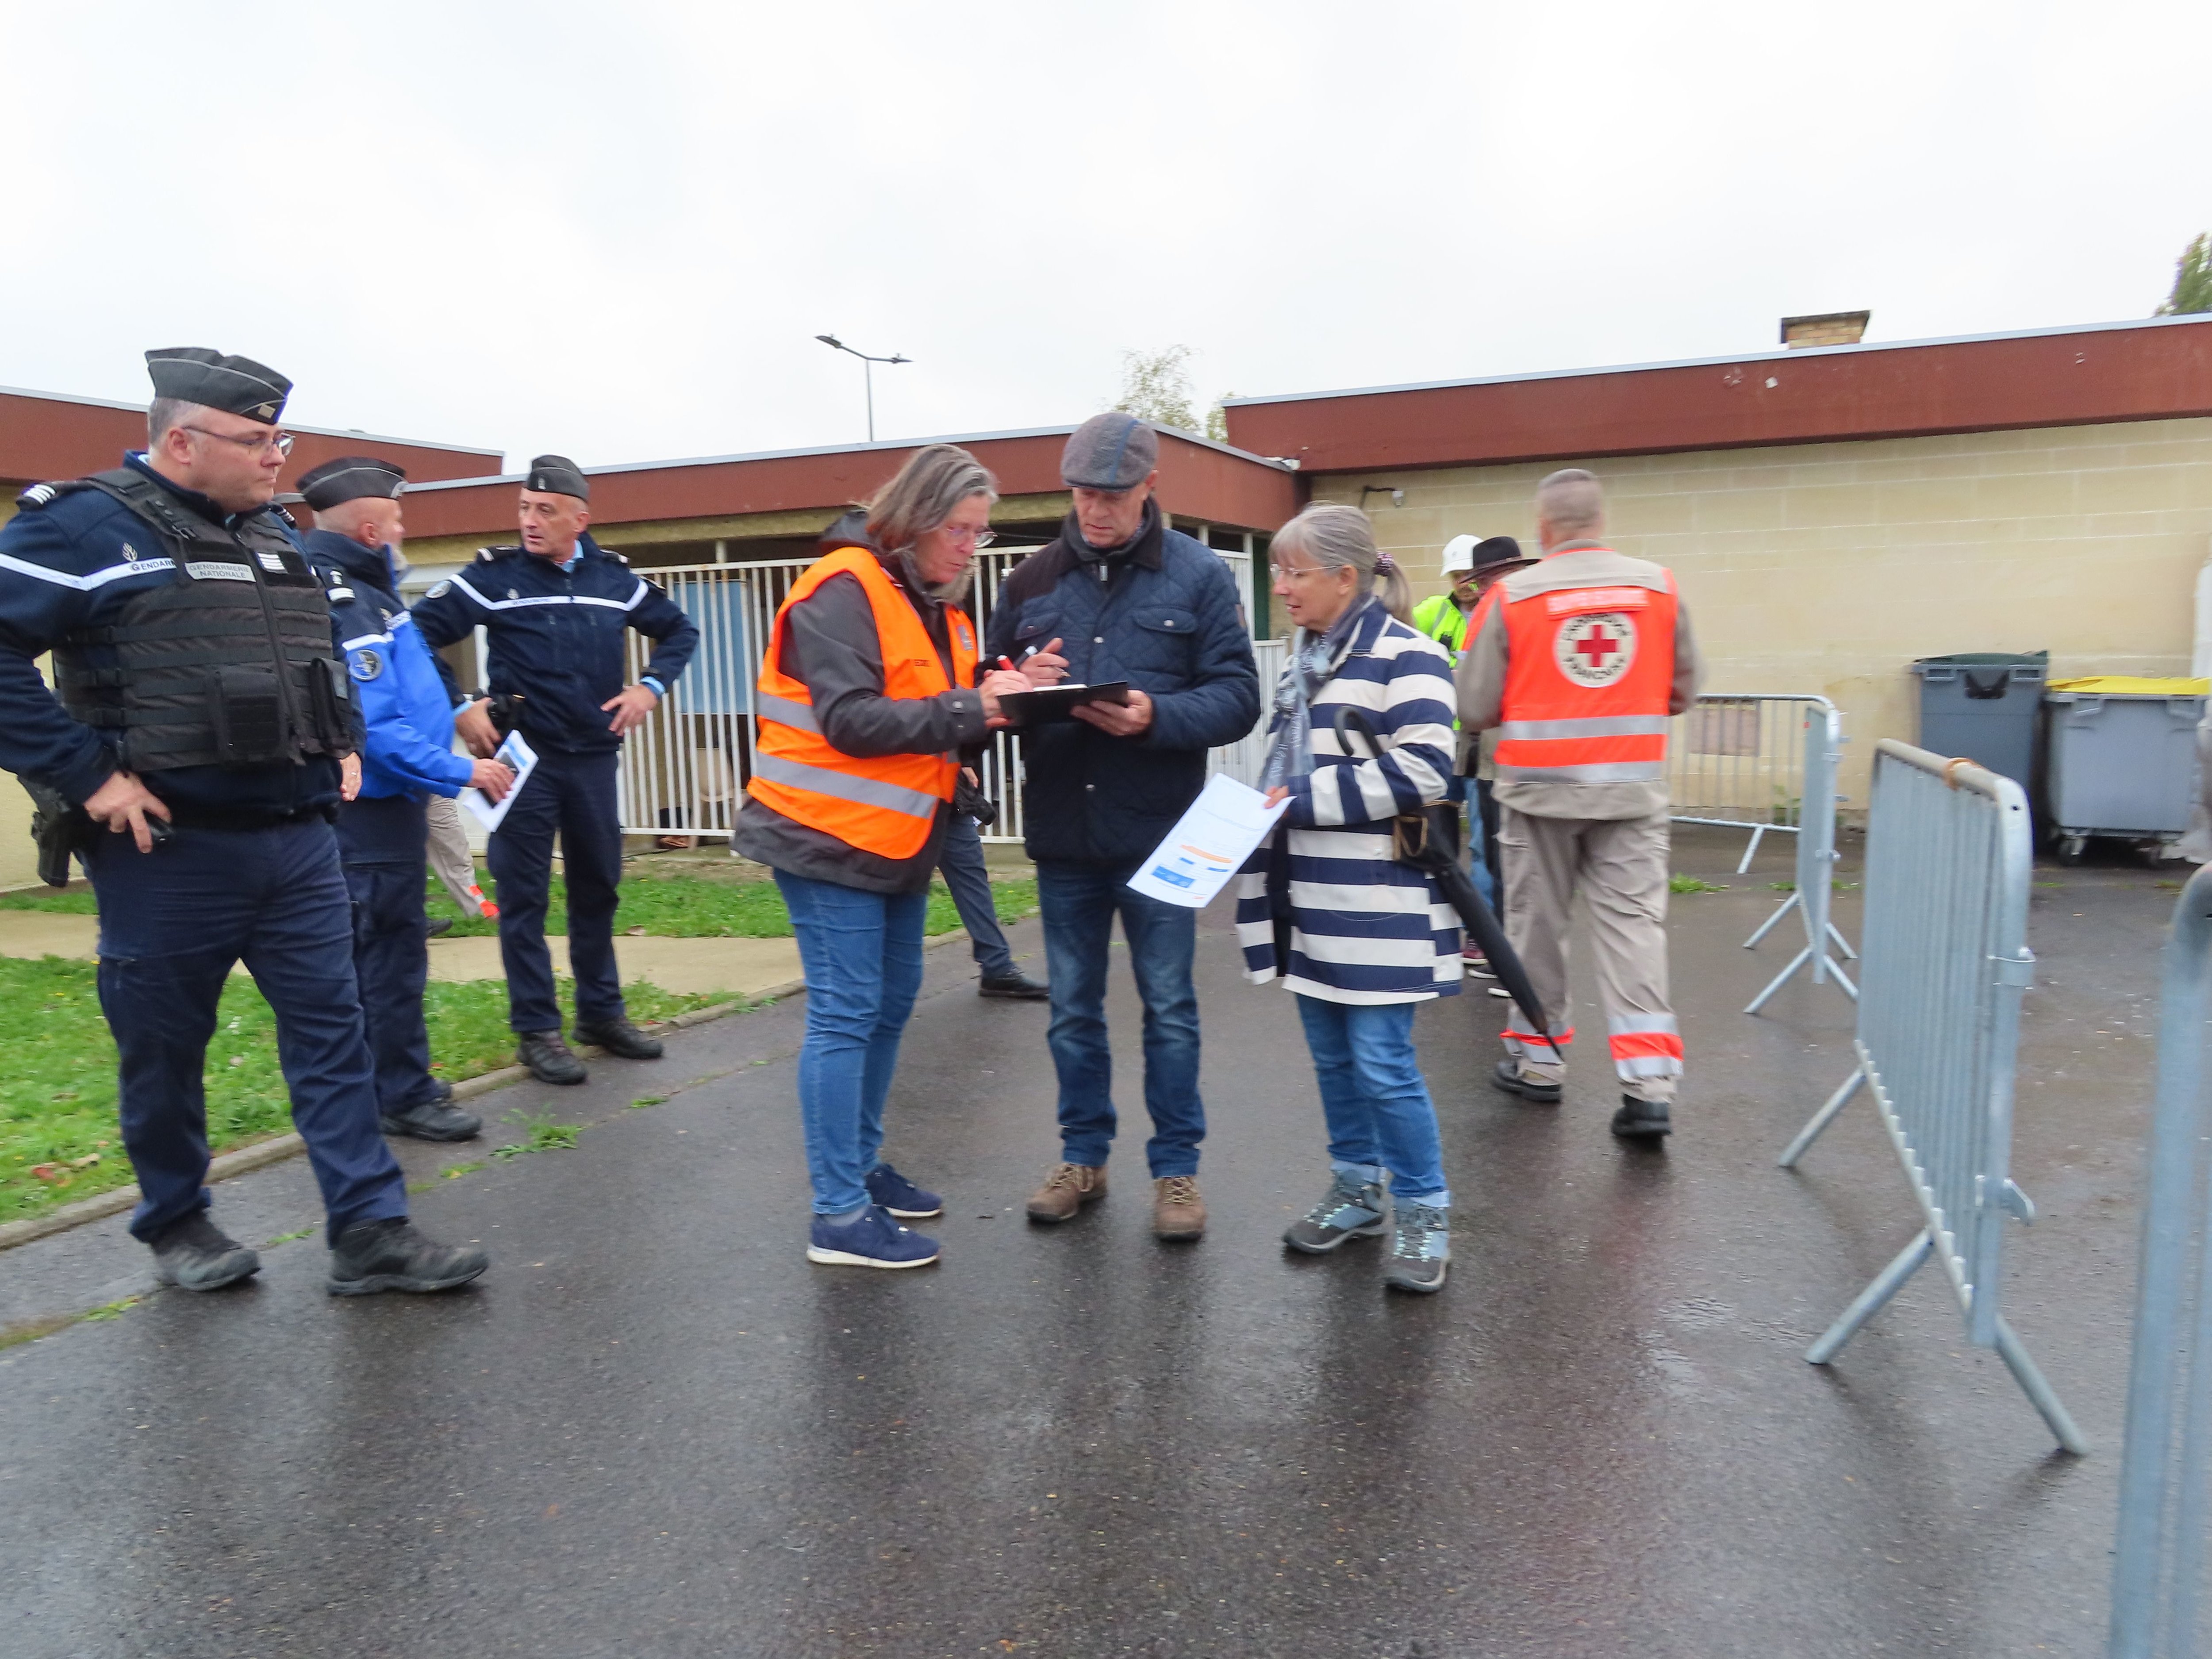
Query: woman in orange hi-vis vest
{"points": [[867, 695], [1578, 662]]}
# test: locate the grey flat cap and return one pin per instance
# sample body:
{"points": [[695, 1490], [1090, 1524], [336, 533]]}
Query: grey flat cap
{"points": [[237, 385], [349, 478], [1113, 450], [558, 475]]}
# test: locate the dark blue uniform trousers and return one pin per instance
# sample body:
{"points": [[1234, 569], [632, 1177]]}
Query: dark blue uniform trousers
{"points": [[574, 795], [382, 843], [171, 924]]}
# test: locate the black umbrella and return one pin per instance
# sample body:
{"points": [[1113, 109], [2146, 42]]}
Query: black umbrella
{"points": [[1436, 856]]}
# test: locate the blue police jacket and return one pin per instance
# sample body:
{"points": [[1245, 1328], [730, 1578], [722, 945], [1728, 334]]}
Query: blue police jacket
{"points": [[557, 636], [403, 697], [73, 561]]}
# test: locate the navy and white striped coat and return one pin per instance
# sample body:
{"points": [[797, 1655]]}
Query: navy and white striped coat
{"points": [[1363, 928]]}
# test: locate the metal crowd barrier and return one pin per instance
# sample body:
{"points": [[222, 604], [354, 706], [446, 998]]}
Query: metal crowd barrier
{"points": [[1946, 960], [1735, 760], [1816, 858], [2165, 1469]]}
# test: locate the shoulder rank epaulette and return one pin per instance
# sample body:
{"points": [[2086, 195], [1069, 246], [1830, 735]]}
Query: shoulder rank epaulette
{"points": [[488, 554], [283, 514], [39, 494]]}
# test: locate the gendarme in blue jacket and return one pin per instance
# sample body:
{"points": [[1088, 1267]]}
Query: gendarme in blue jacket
{"points": [[402, 696], [1162, 613], [557, 636]]}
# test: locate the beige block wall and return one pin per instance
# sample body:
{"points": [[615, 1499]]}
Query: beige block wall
{"points": [[1829, 568]]}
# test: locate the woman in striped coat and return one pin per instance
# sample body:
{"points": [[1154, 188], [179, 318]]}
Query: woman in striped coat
{"points": [[1361, 937]]}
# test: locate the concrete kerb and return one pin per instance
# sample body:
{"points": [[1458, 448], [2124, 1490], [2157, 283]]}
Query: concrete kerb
{"points": [[276, 1148]]}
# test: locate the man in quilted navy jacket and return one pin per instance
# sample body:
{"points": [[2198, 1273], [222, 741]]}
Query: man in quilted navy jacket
{"points": [[1119, 596]]}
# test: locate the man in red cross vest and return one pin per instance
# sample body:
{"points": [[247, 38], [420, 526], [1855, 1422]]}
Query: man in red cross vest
{"points": [[1578, 661]]}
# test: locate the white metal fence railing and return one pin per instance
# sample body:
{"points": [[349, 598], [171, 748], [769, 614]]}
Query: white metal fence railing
{"points": [[1816, 856], [2165, 1471], [684, 771], [1946, 963], [1738, 760]]}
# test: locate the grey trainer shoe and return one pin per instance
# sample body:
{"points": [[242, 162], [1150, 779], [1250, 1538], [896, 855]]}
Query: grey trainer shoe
{"points": [[1420, 1249], [1352, 1208]]}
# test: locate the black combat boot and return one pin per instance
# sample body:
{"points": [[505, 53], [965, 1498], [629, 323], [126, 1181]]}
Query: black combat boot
{"points": [[548, 1058], [196, 1254], [434, 1120], [618, 1037], [392, 1255], [1642, 1119]]}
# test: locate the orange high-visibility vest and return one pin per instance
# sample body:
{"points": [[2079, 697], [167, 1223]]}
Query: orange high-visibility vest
{"points": [[881, 803], [1588, 673]]}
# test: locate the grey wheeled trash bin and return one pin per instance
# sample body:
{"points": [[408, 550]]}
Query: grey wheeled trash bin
{"points": [[2120, 763], [1983, 704]]}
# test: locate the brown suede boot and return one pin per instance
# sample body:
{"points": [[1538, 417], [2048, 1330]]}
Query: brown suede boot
{"points": [[1067, 1190], [1178, 1212]]}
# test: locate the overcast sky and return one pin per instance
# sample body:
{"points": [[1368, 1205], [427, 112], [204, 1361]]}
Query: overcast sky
{"points": [[614, 230]]}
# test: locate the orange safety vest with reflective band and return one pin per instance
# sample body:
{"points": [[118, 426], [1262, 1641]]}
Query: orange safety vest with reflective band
{"points": [[1588, 673], [882, 804]]}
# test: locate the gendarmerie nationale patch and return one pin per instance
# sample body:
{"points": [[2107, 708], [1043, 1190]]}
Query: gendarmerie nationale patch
{"points": [[364, 664], [438, 590]]}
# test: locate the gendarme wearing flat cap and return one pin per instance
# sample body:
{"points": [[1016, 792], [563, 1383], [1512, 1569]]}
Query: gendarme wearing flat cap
{"points": [[351, 478], [556, 475], [237, 385]]}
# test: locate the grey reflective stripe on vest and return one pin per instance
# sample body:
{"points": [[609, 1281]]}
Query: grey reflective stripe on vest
{"points": [[784, 712], [867, 792], [1595, 725], [1600, 772]]}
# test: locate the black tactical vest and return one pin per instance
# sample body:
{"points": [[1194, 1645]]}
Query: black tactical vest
{"points": [[228, 663]]}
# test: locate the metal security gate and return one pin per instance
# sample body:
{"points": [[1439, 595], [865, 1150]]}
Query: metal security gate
{"points": [[1816, 859], [2159, 1602], [1736, 759], [1946, 963], [683, 772]]}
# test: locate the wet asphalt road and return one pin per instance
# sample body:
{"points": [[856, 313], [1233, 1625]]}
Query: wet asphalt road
{"points": [[655, 1429]]}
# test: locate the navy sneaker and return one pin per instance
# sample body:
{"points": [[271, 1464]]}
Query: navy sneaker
{"points": [[874, 1241], [888, 1187]]}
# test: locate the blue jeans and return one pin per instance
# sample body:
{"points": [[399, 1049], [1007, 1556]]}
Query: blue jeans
{"points": [[1077, 903], [172, 922], [862, 956], [1373, 1098], [1462, 792], [961, 863]]}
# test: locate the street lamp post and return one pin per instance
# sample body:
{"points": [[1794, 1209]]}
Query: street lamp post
{"points": [[867, 373]]}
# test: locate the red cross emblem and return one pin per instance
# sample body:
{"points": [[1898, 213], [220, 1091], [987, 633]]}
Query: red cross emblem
{"points": [[1595, 650]]}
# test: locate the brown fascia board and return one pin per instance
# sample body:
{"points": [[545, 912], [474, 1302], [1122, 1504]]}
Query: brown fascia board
{"points": [[44, 435], [1198, 479], [2159, 369]]}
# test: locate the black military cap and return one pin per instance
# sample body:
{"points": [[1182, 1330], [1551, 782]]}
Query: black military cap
{"points": [[349, 478], [558, 475], [237, 385]]}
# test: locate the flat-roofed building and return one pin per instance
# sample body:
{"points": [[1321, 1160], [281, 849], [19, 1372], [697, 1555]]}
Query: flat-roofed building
{"points": [[1832, 513]]}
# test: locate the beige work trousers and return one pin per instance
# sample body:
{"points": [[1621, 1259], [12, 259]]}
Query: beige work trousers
{"points": [[448, 852], [1620, 865]]}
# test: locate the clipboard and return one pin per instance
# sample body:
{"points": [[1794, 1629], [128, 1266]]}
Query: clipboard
{"points": [[1051, 704]]}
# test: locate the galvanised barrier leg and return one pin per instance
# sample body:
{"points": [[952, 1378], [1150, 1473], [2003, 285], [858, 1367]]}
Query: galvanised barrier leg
{"points": [[1868, 1302], [2045, 1397], [1794, 901], [1821, 1120]]}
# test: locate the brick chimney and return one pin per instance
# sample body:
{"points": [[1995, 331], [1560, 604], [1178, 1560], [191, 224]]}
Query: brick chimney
{"points": [[1829, 328]]}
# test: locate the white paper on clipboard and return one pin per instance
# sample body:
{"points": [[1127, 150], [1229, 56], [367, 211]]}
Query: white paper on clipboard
{"points": [[517, 753], [1208, 845]]}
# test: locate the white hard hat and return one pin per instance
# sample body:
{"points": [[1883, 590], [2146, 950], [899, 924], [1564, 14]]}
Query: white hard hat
{"points": [[1459, 554]]}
